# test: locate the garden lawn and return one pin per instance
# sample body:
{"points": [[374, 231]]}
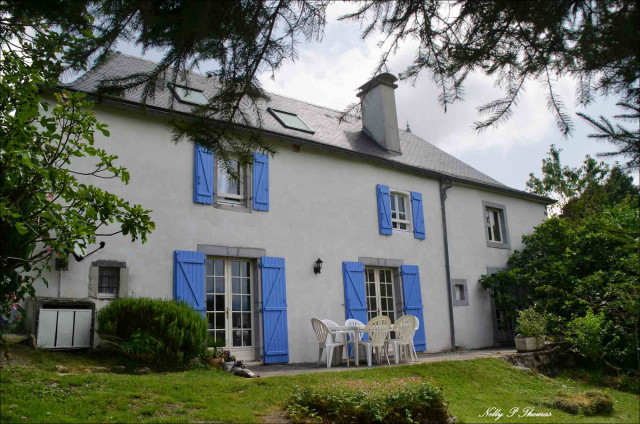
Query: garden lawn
{"points": [[33, 391]]}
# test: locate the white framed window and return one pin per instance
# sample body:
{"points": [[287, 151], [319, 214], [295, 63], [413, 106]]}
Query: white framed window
{"points": [[400, 211], [108, 282], [495, 224], [231, 190], [380, 292]]}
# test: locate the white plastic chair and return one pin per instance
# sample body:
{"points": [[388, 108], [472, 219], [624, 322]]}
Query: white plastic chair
{"points": [[337, 337], [378, 330], [325, 340], [413, 348], [404, 329], [352, 322]]}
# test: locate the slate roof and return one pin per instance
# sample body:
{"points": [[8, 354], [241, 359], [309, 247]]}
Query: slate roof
{"points": [[417, 154]]}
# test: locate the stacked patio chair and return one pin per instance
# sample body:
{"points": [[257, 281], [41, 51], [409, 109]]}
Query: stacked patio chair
{"points": [[326, 341]]}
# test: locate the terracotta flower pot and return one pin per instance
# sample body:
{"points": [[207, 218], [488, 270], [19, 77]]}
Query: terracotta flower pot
{"points": [[214, 362]]}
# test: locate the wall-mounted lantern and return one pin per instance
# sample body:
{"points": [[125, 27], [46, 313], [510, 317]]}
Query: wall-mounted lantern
{"points": [[318, 266]]}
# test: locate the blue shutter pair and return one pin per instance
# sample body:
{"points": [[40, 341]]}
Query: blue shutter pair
{"points": [[355, 299], [203, 189], [188, 287], [384, 212]]}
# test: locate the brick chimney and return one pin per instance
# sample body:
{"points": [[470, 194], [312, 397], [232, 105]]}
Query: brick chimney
{"points": [[379, 118]]}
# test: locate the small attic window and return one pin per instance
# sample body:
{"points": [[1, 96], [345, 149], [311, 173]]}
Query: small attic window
{"points": [[290, 120], [189, 95]]}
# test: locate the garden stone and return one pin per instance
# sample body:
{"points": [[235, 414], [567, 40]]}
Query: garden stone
{"points": [[118, 369], [142, 371], [62, 369], [240, 364]]}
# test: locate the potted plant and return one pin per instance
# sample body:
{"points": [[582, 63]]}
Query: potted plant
{"points": [[228, 360], [531, 327], [213, 353]]}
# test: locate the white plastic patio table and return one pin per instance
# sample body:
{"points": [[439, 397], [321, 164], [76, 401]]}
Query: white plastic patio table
{"points": [[355, 331]]}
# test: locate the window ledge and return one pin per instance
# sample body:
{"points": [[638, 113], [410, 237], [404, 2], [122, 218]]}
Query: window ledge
{"points": [[232, 207], [497, 245]]}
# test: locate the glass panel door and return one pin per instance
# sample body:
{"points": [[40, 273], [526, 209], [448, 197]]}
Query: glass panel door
{"points": [[215, 277], [241, 315], [229, 291], [380, 293]]}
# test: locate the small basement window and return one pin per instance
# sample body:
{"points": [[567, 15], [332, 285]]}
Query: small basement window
{"points": [[108, 281], [290, 120], [460, 295], [189, 95]]}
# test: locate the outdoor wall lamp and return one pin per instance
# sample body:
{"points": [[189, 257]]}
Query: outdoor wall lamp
{"points": [[318, 266]]}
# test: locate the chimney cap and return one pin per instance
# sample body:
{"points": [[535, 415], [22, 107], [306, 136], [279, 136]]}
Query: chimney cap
{"points": [[385, 78]]}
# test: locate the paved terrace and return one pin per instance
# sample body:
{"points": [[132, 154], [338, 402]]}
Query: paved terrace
{"points": [[308, 367]]}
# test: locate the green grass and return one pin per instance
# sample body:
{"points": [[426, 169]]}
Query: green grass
{"points": [[31, 388]]}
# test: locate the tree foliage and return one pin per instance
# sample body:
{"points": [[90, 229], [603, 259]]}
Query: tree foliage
{"points": [[48, 161], [594, 42], [235, 40], [569, 267]]}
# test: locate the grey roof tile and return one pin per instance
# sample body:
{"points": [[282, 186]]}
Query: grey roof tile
{"points": [[416, 152]]}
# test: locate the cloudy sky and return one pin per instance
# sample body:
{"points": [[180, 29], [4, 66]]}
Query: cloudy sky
{"points": [[329, 72]]}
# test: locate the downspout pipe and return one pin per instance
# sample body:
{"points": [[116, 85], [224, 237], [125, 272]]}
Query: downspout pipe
{"points": [[445, 185]]}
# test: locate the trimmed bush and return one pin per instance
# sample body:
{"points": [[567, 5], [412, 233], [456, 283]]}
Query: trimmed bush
{"points": [[396, 401], [171, 333]]}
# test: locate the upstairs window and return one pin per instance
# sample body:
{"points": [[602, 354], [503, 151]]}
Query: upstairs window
{"points": [[290, 120], [496, 230], [400, 216], [230, 190], [189, 95]]}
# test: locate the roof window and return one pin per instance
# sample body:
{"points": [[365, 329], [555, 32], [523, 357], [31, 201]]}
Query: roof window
{"points": [[189, 95], [290, 120]]}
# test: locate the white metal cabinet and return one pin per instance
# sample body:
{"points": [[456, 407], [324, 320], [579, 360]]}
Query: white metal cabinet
{"points": [[64, 328]]}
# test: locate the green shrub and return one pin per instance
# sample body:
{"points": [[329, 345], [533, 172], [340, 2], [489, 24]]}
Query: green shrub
{"points": [[171, 333], [585, 335], [531, 323], [400, 400], [593, 402]]}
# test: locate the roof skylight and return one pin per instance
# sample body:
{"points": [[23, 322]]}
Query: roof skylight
{"points": [[189, 95], [290, 120]]}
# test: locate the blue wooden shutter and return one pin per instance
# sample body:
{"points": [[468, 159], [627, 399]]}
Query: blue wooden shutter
{"points": [[413, 302], [384, 209], [260, 182], [418, 215], [274, 310], [203, 176], [355, 300], [188, 279]]}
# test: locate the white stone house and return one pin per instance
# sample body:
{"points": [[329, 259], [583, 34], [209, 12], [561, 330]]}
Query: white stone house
{"points": [[400, 226]]}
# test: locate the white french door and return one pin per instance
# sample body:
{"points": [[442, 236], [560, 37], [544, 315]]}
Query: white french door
{"points": [[380, 293], [229, 299]]}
